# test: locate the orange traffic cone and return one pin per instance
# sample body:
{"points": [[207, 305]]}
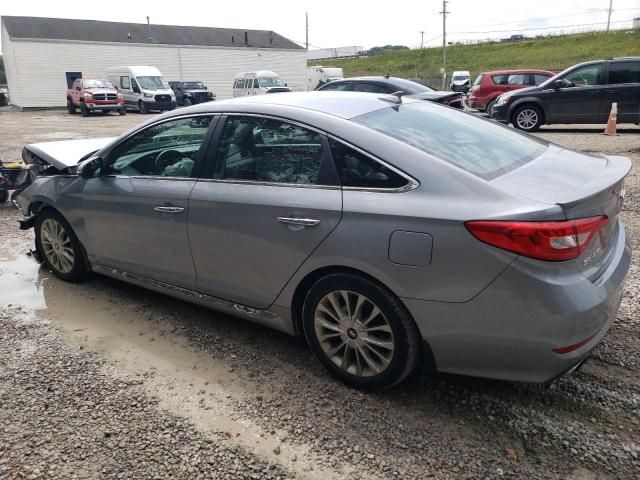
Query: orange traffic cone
{"points": [[610, 128]]}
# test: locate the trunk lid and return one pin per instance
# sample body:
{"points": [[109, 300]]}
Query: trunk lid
{"points": [[582, 185]]}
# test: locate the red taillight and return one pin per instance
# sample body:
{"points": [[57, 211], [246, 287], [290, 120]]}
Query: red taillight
{"points": [[550, 241], [571, 348]]}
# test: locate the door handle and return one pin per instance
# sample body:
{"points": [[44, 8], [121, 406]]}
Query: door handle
{"points": [[169, 209], [305, 222]]}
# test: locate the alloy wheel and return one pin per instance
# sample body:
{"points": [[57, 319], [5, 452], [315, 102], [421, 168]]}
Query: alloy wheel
{"points": [[527, 119], [354, 333], [57, 245]]}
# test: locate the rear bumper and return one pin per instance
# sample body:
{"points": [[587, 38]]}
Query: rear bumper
{"points": [[476, 102], [509, 331]]}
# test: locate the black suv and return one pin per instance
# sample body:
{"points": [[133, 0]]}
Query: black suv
{"points": [[190, 93], [387, 84], [580, 94]]}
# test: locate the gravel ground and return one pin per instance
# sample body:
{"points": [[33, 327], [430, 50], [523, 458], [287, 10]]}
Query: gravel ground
{"points": [[106, 380]]}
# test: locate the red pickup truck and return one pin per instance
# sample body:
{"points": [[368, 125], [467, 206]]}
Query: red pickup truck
{"points": [[90, 95]]}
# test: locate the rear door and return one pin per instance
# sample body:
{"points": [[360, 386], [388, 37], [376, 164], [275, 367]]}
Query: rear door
{"points": [[271, 199], [623, 87], [580, 101]]}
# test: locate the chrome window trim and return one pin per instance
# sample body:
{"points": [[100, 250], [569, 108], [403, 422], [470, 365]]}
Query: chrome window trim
{"points": [[153, 177], [270, 184], [412, 183]]}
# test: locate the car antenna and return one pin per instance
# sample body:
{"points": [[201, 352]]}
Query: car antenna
{"points": [[395, 97]]}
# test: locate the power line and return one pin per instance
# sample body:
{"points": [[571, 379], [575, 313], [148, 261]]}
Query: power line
{"points": [[544, 28]]}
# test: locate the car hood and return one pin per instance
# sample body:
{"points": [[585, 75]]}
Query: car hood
{"points": [[101, 90], [195, 90], [62, 154]]}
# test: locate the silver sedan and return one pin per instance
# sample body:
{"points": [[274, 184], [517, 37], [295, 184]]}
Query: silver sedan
{"points": [[392, 234]]}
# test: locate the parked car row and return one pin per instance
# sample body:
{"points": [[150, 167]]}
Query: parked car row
{"points": [[581, 94]]}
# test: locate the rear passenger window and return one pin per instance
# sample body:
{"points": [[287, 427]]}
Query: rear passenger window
{"points": [[500, 79], [624, 72], [255, 83], [358, 170], [369, 87], [240, 83], [266, 150], [334, 86], [517, 79]]}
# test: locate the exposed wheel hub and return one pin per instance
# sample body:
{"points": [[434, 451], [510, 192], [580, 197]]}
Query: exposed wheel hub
{"points": [[352, 333]]}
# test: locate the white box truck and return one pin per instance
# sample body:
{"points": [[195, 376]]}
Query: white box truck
{"points": [[318, 76], [144, 88]]}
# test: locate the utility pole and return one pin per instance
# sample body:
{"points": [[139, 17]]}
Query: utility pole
{"points": [[609, 17], [421, 38], [444, 42], [306, 16]]}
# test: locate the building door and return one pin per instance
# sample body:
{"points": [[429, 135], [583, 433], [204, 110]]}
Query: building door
{"points": [[72, 77]]}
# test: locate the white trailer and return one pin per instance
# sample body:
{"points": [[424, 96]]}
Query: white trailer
{"points": [[318, 76]]}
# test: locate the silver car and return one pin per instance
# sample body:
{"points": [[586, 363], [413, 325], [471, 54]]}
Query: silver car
{"points": [[391, 233]]}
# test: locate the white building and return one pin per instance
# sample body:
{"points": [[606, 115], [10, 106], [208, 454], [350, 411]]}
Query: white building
{"points": [[41, 55]]}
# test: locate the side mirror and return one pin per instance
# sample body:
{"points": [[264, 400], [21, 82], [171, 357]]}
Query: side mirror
{"points": [[561, 83], [78, 88], [90, 168], [136, 89]]}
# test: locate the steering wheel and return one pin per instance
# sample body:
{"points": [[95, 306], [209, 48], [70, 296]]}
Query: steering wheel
{"points": [[166, 158]]}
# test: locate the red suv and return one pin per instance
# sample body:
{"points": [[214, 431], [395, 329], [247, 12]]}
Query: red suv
{"points": [[489, 85]]}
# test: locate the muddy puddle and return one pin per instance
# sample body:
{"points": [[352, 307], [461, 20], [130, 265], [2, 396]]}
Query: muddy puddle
{"points": [[186, 381]]}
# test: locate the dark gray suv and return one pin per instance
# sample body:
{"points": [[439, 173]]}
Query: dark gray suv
{"points": [[580, 94]]}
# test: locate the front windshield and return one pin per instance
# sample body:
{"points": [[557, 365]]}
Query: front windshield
{"points": [[96, 84], [478, 146], [152, 83], [460, 77], [266, 82], [192, 85]]}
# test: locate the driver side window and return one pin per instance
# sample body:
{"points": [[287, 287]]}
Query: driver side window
{"points": [[586, 76], [168, 149]]}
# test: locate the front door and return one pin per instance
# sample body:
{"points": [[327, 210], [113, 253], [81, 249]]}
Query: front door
{"points": [[272, 199], [579, 100], [136, 211]]}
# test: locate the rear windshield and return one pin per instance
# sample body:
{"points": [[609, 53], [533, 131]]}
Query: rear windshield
{"points": [[478, 80], [481, 147]]}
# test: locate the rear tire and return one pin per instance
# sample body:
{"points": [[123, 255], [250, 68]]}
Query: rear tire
{"points": [[4, 196], [122, 110], [365, 349], [71, 108], [527, 118], [84, 110], [59, 247]]}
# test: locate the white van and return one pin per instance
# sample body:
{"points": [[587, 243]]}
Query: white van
{"points": [[258, 83], [318, 76], [144, 88], [460, 81]]}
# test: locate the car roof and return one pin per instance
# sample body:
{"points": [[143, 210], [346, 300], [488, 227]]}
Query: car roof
{"points": [[345, 105], [520, 70]]}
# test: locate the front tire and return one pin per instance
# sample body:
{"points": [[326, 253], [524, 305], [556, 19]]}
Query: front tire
{"points": [[4, 196], [122, 110], [187, 102], [71, 108], [142, 107], [84, 110], [59, 247], [489, 109], [360, 331], [527, 118]]}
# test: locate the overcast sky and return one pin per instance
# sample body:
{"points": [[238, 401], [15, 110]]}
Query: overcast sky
{"points": [[335, 23]]}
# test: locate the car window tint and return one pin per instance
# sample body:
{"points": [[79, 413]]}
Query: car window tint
{"points": [[478, 80], [255, 83], [124, 82], [358, 170], [266, 150], [167, 149], [517, 79], [585, 76], [478, 146], [369, 87], [624, 72], [500, 79], [335, 86], [538, 79]]}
